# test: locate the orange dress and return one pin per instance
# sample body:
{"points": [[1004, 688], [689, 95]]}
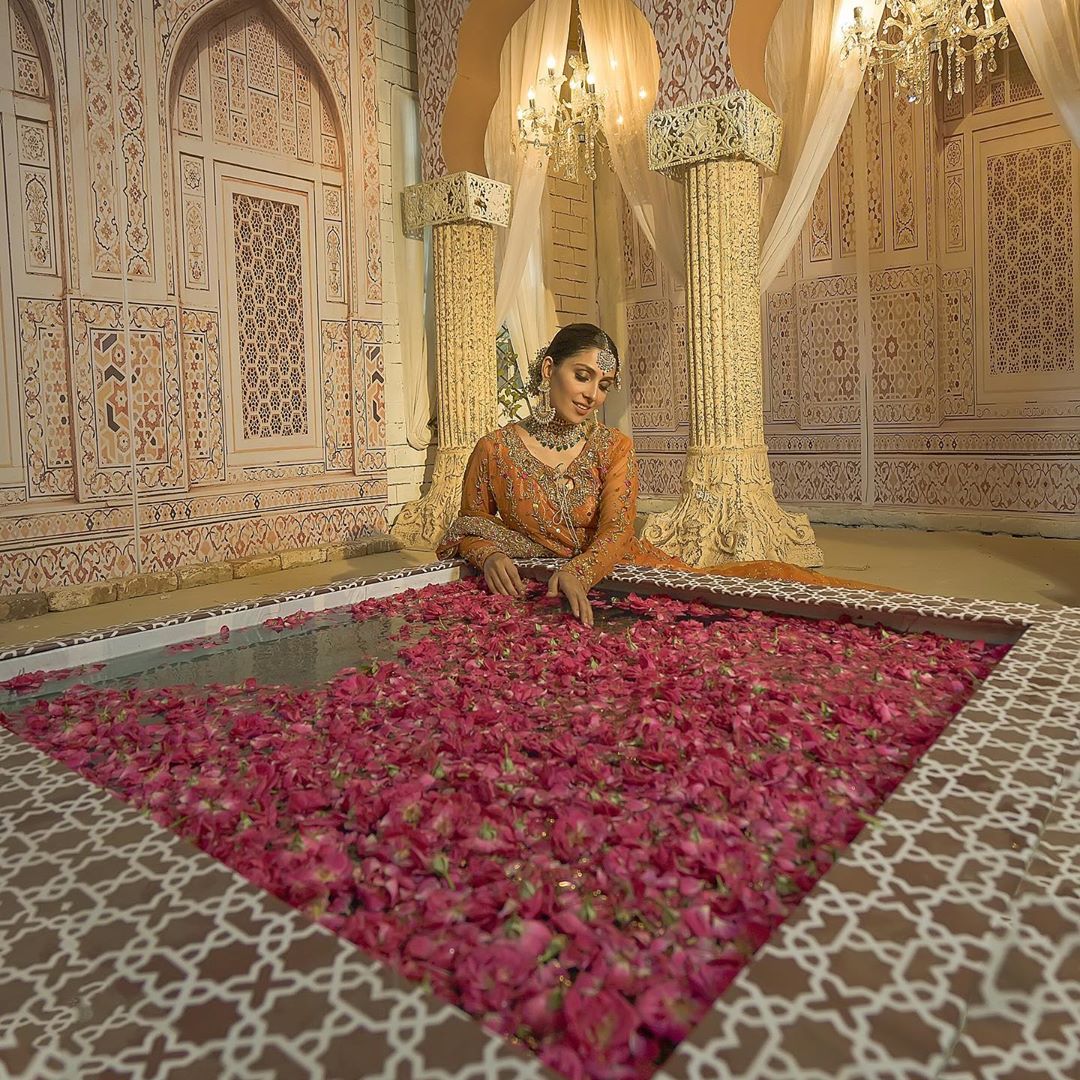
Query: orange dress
{"points": [[511, 502]]}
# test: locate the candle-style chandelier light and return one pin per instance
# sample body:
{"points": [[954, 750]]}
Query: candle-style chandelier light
{"points": [[926, 40], [566, 118]]}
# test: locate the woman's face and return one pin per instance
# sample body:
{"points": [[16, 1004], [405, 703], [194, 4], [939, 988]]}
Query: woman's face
{"points": [[578, 386]]}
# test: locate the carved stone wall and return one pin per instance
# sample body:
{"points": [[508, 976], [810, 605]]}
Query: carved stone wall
{"points": [[941, 383], [192, 362]]}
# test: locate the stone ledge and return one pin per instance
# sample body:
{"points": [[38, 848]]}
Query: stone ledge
{"points": [[72, 597]]}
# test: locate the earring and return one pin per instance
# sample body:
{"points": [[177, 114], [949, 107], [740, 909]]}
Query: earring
{"points": [[545, 413]]}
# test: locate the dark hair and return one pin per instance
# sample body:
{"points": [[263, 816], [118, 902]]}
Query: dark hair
{"points": [[569, 341]]}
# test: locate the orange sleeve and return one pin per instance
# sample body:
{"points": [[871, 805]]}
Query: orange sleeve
{"points": [[477, 501], [615, 526]]}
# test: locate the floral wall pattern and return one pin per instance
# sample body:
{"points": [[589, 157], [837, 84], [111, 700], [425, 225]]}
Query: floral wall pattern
{"points": [[128, 382], [945, 384]]}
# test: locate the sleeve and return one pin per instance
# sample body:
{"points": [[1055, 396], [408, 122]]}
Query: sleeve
{"points": [[477, 502], [615, 526]]}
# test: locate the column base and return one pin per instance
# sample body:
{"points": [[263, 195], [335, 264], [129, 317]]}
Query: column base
{"points": [[727, 512], [421, 524]]}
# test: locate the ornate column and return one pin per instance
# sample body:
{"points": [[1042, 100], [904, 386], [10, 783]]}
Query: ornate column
{"points": [[462, 210], [726, 510]]}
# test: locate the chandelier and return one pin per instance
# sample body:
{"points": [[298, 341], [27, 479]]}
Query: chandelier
{"points": [[924, 38], [568, 125]]}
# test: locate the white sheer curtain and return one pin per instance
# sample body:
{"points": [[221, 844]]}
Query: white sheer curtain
{"points": [[522, 302], [813, 91], [412, 273], [1048, 33], [622, 53]]}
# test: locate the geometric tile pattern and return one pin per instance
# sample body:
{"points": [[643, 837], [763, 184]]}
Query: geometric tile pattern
{"points": [[1031, 269], [369, 412], [127, 407], [46, 398], [269, 252], [829, 375], [907, 942], [903, 315], [125, 950]]}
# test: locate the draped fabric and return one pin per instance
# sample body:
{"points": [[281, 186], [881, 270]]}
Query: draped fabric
{"points": [[622, 54], [412, 273], [813, 91], [522, 301], [1048, 33], [513, 503]]}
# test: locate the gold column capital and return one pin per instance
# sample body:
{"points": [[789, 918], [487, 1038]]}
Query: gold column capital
{"points": [[462, 198], [733, 127]]}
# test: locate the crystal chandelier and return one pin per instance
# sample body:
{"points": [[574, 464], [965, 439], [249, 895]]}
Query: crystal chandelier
{"points": [[920, 36], [568, 127]]}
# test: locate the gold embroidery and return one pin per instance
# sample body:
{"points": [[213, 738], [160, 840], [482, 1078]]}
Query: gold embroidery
{"points": [[508, 541]]}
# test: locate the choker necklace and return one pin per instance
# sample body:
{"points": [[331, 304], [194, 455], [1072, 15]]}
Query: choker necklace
{"points": [[557, 435]]}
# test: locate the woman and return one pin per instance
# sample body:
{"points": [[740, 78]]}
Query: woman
{"points": [[557, 485]]}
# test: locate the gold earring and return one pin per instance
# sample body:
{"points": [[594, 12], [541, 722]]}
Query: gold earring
{"points": [[545, 413]]}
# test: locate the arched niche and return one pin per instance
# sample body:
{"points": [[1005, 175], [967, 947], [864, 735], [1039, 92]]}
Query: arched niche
{"points": [[483, 31], [261, 176], [751, 22]]}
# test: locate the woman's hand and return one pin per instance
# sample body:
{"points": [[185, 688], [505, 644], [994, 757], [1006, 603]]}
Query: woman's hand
{"points": [[502, 576], [576, 595]]}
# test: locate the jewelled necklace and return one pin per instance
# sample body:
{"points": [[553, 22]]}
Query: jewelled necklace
{"points": [[556, 435]]}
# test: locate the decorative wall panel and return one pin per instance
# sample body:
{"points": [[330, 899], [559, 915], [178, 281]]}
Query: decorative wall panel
{"points": [[47, 427], [969, 310], [649, 360], [1031, 260], [128, 402], [272, 356], [783, 385], [337, 395], [903, 313], [200, 356], [830, 379], [101, 408], [957, 343], [36, 184]]}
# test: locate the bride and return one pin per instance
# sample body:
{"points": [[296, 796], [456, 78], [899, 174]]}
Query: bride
{"points": [[561, 484]]}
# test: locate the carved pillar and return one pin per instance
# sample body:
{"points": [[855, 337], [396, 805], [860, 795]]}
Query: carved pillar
{"points": [[726, 510], [462, 210]]}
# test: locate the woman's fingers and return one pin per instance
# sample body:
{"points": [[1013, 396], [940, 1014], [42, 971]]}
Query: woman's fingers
{"points": [[515, 580]]}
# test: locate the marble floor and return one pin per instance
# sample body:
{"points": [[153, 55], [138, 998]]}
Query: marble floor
{"points": [[1009, 569]]}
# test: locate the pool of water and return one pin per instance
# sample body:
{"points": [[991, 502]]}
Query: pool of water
{"points": [[307, 651]]}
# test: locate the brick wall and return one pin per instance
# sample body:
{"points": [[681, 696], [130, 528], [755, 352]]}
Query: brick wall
{"points": [[571, 264]]}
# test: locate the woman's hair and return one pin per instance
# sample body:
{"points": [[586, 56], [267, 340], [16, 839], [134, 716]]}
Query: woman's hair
{"points": [[569, 341]]}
